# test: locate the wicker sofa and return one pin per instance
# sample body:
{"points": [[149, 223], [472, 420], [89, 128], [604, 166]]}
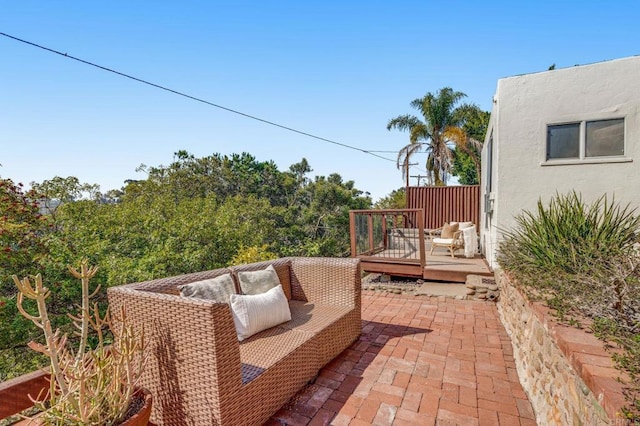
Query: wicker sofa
{"points": [[198, 371]]}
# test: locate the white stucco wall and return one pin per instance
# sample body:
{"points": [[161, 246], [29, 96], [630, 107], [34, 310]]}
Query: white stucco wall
{"points": [[488, 237], [525, 105]]}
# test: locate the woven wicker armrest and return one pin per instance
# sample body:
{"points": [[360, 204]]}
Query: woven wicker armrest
{"points": [[435, 232], [193, 348], [333, 281]]}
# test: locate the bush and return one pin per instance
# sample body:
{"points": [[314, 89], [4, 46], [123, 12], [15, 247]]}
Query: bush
{"points": [[583, 261], [252, 254]]}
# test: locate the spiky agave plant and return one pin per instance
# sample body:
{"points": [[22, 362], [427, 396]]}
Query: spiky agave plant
{"points": [[89, 385]]}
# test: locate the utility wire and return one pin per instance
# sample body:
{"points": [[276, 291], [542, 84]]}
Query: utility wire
{"points": [[158, 86], [395, 152], [419, 169], [383, 152]]}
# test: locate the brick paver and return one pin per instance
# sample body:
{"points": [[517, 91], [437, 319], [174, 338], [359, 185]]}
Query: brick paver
{"points": [[419, 361]]}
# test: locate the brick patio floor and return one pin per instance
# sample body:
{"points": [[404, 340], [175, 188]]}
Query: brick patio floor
{"points": [[419, 361]]}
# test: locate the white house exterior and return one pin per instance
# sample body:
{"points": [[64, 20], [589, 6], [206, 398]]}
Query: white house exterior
{"points": [[556, 131]]}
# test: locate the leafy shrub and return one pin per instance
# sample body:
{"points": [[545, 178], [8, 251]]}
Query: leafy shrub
{"points": [[627, 360], [583, 261], [569, 235], [252, 254]]}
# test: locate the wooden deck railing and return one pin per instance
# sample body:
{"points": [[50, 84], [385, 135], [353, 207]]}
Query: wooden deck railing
{"points": [[388, 235]]}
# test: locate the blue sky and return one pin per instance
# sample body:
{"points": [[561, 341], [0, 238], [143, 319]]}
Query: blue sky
{"points": [[336, 69]]}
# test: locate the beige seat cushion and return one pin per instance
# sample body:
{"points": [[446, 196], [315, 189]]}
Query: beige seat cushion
{"points": [[443, 241], [334, 327], [313, 318], [265, 349]]}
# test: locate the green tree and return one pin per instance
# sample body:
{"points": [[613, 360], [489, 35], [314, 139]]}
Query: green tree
{"points": [[464, 169], [396, 199], [21, 229], [325, 215], [466, 162], [23, 250], [224, 176], [439, 129]]}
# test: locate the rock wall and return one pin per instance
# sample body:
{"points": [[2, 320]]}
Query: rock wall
{"points": [[482, 288], [568, 376]]}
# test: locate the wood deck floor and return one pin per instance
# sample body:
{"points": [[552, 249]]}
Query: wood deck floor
{"points": [[440, 266]]}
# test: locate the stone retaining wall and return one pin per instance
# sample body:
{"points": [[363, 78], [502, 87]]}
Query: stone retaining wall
{"points": [[565, 371]]}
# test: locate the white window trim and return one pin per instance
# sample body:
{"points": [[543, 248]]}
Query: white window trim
{"points": [[583, 159], [588, 160]]}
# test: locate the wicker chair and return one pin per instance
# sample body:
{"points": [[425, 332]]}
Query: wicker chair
{"points": [[451, 241], [198, 371]]}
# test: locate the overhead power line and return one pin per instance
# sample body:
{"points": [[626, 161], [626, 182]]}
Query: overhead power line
{"points": [[394, 152], [383, 152], [194, 98]]}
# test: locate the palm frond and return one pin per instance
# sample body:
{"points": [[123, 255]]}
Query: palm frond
{"points": [[403, 122], [419, 132], [404, 157]]}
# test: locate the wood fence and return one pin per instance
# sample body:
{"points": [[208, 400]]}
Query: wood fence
{"points": [[442, 204]]}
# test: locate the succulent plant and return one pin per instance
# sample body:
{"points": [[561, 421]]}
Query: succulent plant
{"points": [[92, 385]]}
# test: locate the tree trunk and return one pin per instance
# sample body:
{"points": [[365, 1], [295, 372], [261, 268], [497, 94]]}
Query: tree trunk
{"points": [[437, 180]]}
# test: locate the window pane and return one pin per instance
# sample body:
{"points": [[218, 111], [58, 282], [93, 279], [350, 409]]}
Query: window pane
{"points": [[605, 138], [563, 141]]}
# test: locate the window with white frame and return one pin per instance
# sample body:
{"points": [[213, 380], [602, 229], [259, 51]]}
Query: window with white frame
{"points": [[585, 139]]}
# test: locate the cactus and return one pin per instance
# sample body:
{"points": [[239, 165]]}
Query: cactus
{"points": [[89, 386]]}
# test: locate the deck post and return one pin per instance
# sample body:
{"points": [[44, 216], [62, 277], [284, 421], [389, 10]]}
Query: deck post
{"points": [[385, 237], [421, 241], [370, 226], [352, 233]]}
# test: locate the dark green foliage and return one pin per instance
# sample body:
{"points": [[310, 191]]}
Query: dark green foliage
{"points": [[466, 162], [583, 262], [627, 360], [397, 199], [24, 235], [464, 168]]}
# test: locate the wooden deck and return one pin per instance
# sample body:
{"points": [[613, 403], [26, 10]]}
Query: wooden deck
{"points": [[396, 242], [439, 266]]}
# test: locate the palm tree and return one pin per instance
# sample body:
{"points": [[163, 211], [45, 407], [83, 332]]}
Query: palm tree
{"points": [[440, 130]]}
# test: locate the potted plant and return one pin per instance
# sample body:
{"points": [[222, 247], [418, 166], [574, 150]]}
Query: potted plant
{"points": [[94, 384]]}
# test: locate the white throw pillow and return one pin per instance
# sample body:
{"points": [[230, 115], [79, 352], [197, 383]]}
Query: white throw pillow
{"points": [[256, 282], [218, 289], [253, 313]]}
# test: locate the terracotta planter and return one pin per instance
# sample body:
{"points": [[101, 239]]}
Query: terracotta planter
{"points": [[139, 418]]}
